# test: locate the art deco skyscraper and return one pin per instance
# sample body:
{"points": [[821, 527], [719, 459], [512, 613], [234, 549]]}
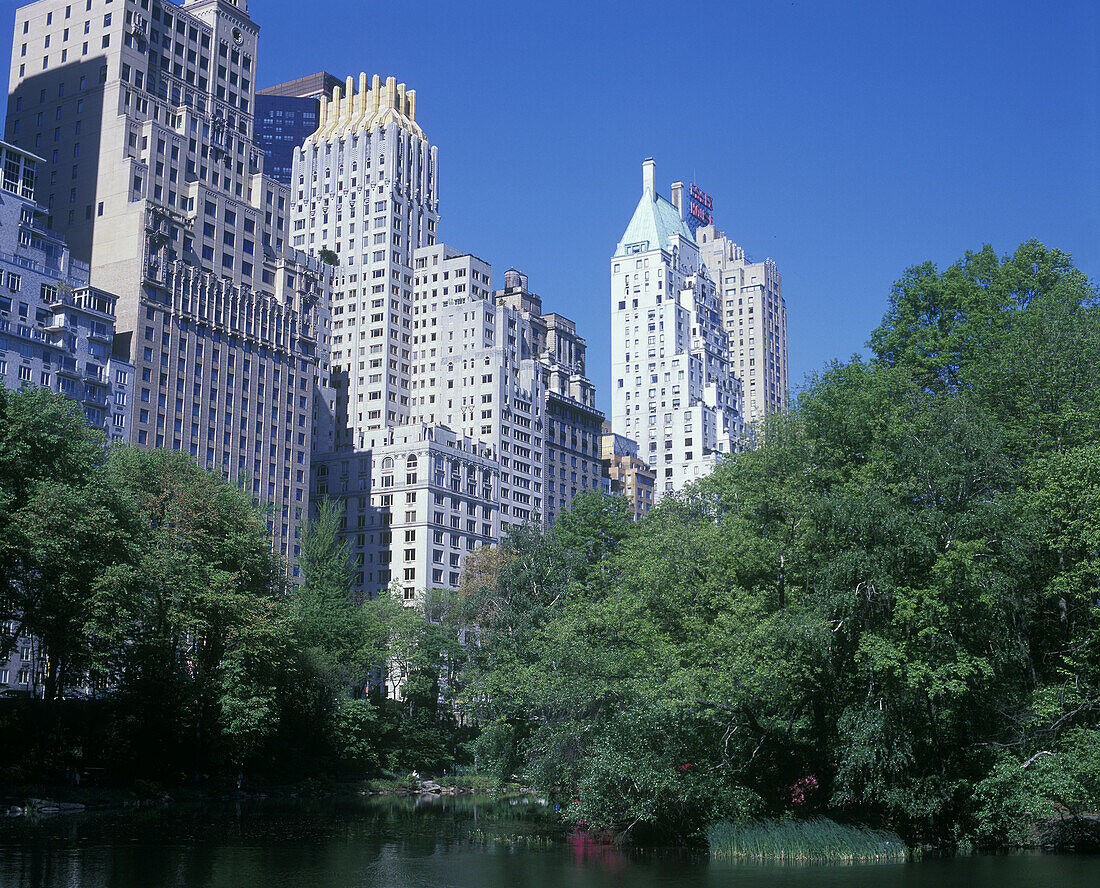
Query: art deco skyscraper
{"points": [[365, 189], [673, 390], [144, 112]]}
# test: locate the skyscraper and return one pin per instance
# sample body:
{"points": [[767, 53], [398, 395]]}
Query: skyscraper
{"points": [[673, 389], [571, 422], [755, 317], [145, 112], [446, 393], [364, 190]]}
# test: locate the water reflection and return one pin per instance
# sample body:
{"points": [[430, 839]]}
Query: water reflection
{"points": [[389, 841], [589, 850]]}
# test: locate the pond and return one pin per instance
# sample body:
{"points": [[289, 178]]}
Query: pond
{"points": [[398, 842]]}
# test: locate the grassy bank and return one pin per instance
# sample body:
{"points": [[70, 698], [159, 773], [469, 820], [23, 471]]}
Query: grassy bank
{"points": [[802, 840]]}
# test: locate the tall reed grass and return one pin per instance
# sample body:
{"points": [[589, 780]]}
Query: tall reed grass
{"points": [[802, 840]]}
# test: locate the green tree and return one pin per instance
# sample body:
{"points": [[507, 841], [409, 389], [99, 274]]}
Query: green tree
{"points": [[64, 539], [328, 620], [853, 617], [210, 586]]}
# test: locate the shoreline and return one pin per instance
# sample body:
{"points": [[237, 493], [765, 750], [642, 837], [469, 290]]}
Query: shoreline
{"points": [[38, 803], [42, 801]]}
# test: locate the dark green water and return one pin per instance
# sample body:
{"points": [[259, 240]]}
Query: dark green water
{"points": [[374, 842]]}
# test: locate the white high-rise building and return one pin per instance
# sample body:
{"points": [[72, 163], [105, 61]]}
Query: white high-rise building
{"points": [[755, 318], [571, 423], [446, 394], [478, 373], [364, 189], [673, 389]]}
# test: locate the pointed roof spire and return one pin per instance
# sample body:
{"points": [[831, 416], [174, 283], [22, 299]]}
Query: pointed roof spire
{"points": [[656, 221], [649, 177]]}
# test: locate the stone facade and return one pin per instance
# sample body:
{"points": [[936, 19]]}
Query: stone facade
{"points": [[478, 374], [418, 499], [755, 318], [570, 419], [55, 329], [673, 389], [627, 476], [144, 110]]}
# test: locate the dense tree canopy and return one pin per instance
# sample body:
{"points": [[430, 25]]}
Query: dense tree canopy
{"points": [[886, 611], [151, 593]]}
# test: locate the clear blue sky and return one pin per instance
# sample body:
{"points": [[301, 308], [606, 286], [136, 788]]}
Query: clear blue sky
{"points": [[846, 140]]}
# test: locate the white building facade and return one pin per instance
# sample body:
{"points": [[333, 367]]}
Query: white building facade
{"points": [[570, 420], [364, 187], [673, 389], [755, 318], [417, 501], [55, 329], [478, 374]]}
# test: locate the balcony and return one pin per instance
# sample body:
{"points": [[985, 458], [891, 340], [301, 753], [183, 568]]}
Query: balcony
{"points": [[38, 225], [52, 267], [24, 331]]}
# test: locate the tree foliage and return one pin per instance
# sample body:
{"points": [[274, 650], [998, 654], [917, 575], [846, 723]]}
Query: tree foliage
{"points": [[886, 611], [149, 584]]}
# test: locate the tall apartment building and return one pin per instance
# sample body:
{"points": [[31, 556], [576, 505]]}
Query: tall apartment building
{"points": [[477, 372], [571, 421], [627, 475], [55, 329], [755, 318], [364, 188], [144, 110], [673, 389], [286, 115]]}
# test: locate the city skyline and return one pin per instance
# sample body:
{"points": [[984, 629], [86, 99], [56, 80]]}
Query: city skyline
{"points": [[844, 142]]}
